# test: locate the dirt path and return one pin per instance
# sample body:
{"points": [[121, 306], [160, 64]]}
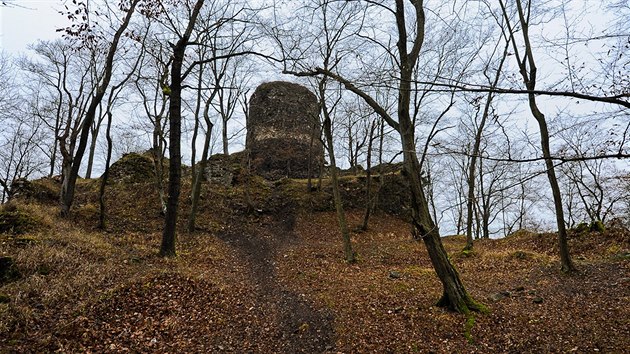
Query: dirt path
{"points": [[295, 325], [247, 310]]}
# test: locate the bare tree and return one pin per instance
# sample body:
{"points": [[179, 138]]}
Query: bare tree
{"points": [[355, 130], [181, 23], [476, 148], [58, 89], [349, 254], [71, 174], [591, 185], [150, 81], [370, 197], [232, 76], [18, 136], [201, 169], [329, 39], [19, 156], [174, 90], [223, 77], [406, 59], [114, 93], [528, 70]]}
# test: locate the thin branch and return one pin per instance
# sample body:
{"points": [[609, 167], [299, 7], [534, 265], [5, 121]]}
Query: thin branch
{"points": [[561, 159], [227, 56]]}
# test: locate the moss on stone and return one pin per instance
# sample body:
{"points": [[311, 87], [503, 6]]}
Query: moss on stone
{"points": [[467, 252], [43, 190], [15, 221], [132, 168]]}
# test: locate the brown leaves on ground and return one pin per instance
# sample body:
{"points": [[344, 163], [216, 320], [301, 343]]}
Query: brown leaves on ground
{"points": [[539, 308], [274, 281]]}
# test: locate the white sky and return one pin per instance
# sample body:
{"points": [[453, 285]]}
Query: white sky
{"points": [[31, 21]]}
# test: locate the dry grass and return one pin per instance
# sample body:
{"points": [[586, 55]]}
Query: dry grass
{"points": [[65, 269], [75, 278]]}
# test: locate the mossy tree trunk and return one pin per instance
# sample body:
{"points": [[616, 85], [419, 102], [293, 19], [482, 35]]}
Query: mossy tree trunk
{"points": [[455, 296]]}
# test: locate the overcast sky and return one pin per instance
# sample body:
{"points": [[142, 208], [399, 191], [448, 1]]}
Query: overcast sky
{"points": [[33, 20]]}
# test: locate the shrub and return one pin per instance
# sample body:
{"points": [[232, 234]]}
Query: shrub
{"points": [[582, 227], [597, 226]]}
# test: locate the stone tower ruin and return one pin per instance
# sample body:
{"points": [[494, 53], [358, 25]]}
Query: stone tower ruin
{"points": [[283, 131]]}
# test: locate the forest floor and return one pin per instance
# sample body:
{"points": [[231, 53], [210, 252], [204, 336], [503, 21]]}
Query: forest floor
{"points": [[273, 280]]}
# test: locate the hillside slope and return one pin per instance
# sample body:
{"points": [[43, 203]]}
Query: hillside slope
{"points": [[265, 273]]}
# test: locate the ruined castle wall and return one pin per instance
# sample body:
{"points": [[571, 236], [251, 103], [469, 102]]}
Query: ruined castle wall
{"points": [[282, 125]]}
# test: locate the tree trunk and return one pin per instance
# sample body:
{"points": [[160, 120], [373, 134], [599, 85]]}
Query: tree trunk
{"points": [[88, 172], [196, 189], [224, 136], [309, 182], [475, 152], [53, 156], [455, 296], [193, 146], [167, 247], [66, 167], [101, 194], [528, 71], [471, 180], [566, 263], [371, 200], [341, 216], [157, 153], [486, 216]]}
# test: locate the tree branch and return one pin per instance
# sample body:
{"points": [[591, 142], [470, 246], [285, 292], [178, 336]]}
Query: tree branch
{"points": [[616, 99], [351, 87], [227, 56]]}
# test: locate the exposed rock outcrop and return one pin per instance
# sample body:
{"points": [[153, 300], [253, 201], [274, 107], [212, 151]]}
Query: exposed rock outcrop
{"points": [[132, 168]]}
